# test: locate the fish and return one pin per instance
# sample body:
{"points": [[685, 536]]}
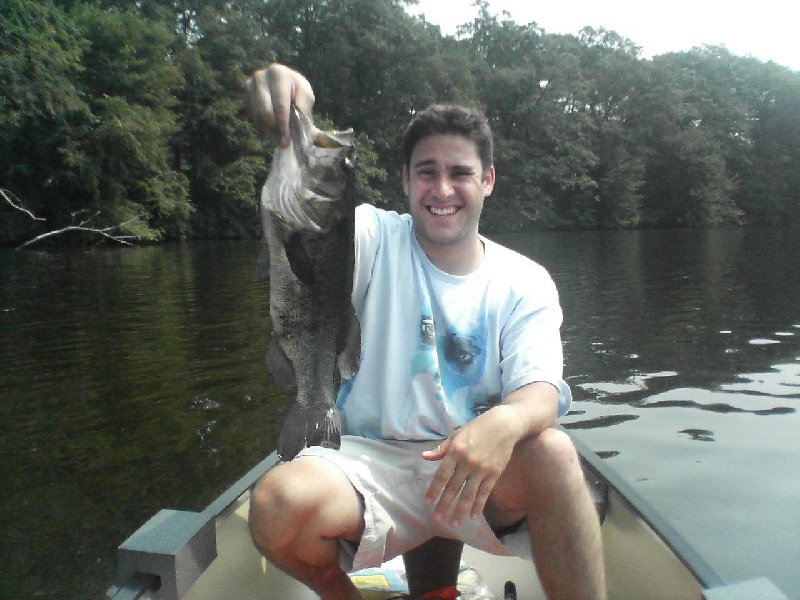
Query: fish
{"points": [[308, 215]]}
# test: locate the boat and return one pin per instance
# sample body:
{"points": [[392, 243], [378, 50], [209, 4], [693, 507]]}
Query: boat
{"points": [[208, 555]]}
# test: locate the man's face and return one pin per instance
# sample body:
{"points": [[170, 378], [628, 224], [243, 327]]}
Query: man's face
{"points": [[446, 185]]}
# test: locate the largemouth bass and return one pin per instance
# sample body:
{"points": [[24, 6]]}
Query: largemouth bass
{"points": [[308, 212]]}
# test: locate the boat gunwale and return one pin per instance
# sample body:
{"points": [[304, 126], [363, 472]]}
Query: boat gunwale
{"points": [[706, 575]]}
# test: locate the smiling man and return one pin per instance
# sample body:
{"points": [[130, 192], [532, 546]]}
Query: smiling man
{"points": [[450, 418]]}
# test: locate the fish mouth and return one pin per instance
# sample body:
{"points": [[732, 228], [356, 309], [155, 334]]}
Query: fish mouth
{"points": [[314, 171], [443, 211]]}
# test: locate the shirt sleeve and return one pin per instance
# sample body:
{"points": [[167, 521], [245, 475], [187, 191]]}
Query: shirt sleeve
{"points": [[530, 343], [367, 242]]}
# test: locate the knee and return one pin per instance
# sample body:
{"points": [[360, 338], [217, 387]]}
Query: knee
{"points": [[279, 503], [558, 444], [553, 452]]}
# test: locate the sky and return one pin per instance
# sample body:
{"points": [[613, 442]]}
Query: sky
{"points": [[765, 29]]}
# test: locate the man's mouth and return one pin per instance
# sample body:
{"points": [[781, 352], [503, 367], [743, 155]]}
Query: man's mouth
{"points": [[443, 212]]}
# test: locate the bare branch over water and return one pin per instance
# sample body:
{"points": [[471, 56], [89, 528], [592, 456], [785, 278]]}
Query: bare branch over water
{"points": [[83, 226]]}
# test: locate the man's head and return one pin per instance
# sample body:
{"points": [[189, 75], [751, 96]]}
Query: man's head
{"points": [[450, 119], [448, 173]]}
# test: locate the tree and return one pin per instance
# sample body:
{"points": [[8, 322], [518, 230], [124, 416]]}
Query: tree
{"points": [[103, 146], [567, 153], [134, 112], [514, 82], [613, 83], [699, 141], [771, 176], [40, 61], [217, 148]]}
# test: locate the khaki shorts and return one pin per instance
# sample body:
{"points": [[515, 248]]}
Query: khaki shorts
{"points": [[392, 478]]}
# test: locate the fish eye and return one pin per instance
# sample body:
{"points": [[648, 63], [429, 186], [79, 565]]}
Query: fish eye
{"points": [[348, 164]]}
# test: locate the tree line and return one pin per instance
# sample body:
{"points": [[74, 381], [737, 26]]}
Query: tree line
{"points": [[130, 115]]}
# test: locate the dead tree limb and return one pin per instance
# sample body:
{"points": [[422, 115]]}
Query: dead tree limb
{"points": [[121, 239], [83, 226], [10, 198]]}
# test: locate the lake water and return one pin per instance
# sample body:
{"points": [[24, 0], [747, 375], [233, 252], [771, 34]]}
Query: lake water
{"points": [[133, 379]]}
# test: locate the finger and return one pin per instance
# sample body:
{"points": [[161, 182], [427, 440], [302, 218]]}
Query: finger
{"points": [[449, 495], [437, 453], [439, 482], [302, 93], [443, 473], [287, 87], [472, 499], [482, 497], [466, 501], [279, 84], [259, 103]]}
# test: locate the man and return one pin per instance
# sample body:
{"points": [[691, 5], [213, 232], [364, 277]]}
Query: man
{"points": [[450, 416]]}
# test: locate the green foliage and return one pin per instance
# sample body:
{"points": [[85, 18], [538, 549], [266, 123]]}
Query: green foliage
{"points": [[133, 112], [90, 122], [40, 63], [770, 179]]}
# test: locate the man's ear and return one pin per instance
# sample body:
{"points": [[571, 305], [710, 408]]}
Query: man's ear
{"points": [[405, 180], [488, 182]]}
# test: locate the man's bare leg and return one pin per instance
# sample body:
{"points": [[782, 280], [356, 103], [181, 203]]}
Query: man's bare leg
{"points": [[297, 513], [544, 482]]}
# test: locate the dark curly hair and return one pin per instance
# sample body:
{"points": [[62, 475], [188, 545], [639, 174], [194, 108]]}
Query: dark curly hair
{"points": [[450, 119]]}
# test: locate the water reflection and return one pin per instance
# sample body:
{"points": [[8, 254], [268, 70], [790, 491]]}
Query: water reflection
{"points": [[746, 397], [634, 383], [718, 407], [782, 380], [699, 435], [604, 421], [131, 380], [645, 302]]}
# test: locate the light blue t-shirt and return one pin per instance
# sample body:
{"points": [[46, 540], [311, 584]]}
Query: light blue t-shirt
{"points": [[437, 350]]}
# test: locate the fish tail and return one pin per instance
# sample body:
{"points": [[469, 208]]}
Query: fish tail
{"points": [[326, 429], [294, 433], [304, 426]]}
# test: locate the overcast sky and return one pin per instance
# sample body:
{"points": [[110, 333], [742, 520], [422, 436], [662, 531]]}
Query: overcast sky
{"points": [[765, 29]]}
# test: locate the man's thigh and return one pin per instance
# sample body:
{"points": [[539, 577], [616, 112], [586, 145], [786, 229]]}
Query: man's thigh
{"points": [[507, 503], [317, 491]]}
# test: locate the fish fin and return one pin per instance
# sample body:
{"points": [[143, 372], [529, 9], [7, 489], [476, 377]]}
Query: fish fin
{"points": [[293, 436], [299, 260], [263, 263], [350, 356], [279, 366], [304, 427], [325, 429]]}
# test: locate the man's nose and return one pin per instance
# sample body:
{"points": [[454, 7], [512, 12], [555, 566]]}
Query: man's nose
{"points": [[444, 185]]}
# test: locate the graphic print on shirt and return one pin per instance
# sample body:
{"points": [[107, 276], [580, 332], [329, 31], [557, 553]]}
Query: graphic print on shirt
{"points": [[462, 354], [464, 360], [425, 359], [425, 373], [490, 401], [344, 392], [450, 358], [425, 362]]}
